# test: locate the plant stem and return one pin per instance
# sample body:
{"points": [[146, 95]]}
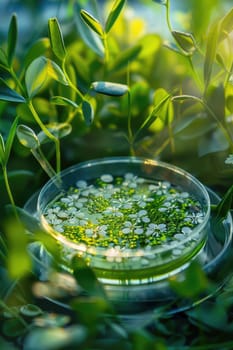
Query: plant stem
{"points": [[229, 74], [106, 51], [195, 75], [9, 192], [71, 84], [47, 133], [168, 16], [171, 138], [8, 189], [17, 81], [130, 132], [37, 153]]}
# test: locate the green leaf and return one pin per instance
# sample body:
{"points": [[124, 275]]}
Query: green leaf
{"points": [[88, 112], [125, 57], [193, 126], [3, 58], [143, 339], [55, 72], [186, 41], [110, 89], [86, 277], [162, 108], [89, 310], [215, 96], [212, 143], [27, 137], [36, 75], [7, 94], [10, 139], [2, 151], [229, 103], [88, 36], [226, 25], [56, 39], [139, 98], [59, 130], [63, 101], [113, 15], [92, 23], [211, 316], [224, 206], [30, 310], [13, 328], [12, 38], [173, 47], [211, 49]]}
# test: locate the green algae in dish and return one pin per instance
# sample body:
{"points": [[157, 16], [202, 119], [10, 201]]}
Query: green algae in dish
{"points": [[133, 220], [127, 212]]}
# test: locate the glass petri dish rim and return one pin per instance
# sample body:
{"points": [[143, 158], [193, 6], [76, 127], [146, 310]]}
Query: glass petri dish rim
{"points": [[127, 253]]}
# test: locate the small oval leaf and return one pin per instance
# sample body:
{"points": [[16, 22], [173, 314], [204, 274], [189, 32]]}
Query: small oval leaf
{"points": [[59, 130], [56, 39], [110, 89], [113, 15], [36, 75], [186, 41], [92, 22], [27, 137], [88, 112], [30, 310]]}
